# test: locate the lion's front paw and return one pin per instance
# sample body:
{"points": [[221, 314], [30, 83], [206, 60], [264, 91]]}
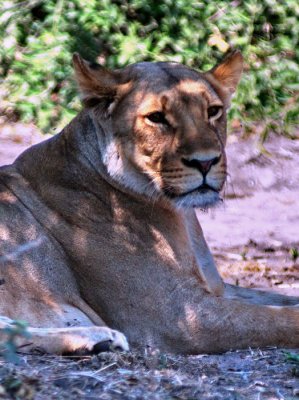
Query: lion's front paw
{"points": [[114, 341], [119, 341]]}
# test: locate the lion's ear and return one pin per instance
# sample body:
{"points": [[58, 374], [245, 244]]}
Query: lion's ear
{"points": [[95, 82], [229, 71]]}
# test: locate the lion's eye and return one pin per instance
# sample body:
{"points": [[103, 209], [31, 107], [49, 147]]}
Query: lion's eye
{"points": [[157, 117], [214, 112]]}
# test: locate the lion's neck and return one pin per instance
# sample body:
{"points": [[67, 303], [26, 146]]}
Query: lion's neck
{"points": [[68, 170], [118, 169]]}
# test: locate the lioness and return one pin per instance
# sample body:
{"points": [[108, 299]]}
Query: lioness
{"points": [[98, 229]]}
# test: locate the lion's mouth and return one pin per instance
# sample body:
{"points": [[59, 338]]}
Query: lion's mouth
{"points": [[202, 189], [204, 196], [205, 188]]}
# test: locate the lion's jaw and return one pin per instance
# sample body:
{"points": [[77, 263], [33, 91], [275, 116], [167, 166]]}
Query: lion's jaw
{"points": [[164, 131]]}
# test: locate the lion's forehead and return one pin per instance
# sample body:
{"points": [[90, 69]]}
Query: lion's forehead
{"points": [[186, 93], [175, 81], [163, 74]]}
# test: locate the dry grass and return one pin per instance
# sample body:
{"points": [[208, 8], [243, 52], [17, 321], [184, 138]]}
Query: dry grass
{"points": [[244, 374]]}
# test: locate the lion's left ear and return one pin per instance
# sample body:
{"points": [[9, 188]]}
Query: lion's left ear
{"points": [[228, 72], [96, 82]]}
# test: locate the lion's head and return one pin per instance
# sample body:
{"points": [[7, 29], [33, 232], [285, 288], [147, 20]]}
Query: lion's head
{"points": [[162, 126]]}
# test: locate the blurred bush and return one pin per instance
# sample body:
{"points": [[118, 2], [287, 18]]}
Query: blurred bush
{"points": [[38, 38]]}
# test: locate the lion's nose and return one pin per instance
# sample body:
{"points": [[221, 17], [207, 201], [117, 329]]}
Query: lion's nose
{"points": [[203, 166]]}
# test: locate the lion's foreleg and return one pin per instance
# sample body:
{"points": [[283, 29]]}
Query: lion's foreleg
{"points": [[91, 339], [205, 263]]}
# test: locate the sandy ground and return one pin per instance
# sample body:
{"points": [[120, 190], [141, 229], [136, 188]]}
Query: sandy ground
{"points": [[253, 235], [261, 199]]}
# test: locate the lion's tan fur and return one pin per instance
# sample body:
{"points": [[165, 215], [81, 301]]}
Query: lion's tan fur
{"points": [[97, 225]]}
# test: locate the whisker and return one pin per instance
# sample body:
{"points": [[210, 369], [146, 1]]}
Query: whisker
{"points": [[230, 182]]}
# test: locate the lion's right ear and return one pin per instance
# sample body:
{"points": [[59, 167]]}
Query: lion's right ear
{"points": [[228, 72], [95, 82]]}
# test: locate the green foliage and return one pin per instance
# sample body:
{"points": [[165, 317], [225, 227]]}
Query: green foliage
{"points": [[9, 348], [294, 253], [39, 36], [293, 358]]}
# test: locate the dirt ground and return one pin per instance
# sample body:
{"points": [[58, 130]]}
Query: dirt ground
{"points": [[253, 236]]}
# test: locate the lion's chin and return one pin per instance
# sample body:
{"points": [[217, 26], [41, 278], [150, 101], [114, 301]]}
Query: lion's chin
{"points": [[197, 199]]}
